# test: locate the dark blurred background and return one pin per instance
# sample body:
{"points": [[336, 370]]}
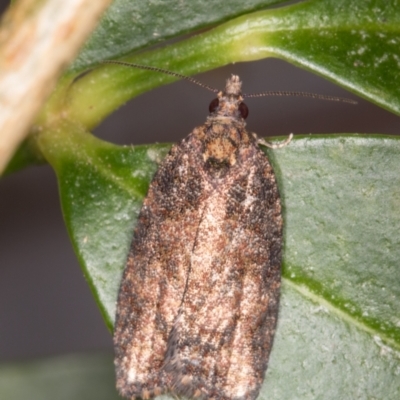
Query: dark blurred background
{"points": [[46, 307]]}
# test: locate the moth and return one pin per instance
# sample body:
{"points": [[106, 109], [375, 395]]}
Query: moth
{"points": [[198, 302]]}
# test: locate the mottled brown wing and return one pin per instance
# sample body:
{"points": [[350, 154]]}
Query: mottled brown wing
{"points": [[222, 338], [198, 302], [156, 273]]}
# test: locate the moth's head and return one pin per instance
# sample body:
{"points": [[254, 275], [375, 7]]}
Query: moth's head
{"points": [[229, 102]]}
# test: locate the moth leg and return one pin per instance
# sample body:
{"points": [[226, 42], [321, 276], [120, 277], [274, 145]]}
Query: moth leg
{"points": [[270, 145]]}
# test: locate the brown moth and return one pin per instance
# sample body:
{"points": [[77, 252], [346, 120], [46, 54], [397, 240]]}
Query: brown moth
{"points": [[198, 302]]}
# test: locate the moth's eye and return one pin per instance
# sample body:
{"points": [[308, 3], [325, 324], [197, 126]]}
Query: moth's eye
{"points": [[213, 105], [244, 111]]}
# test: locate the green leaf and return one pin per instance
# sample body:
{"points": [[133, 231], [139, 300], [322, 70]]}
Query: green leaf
{"points": [[339, 326], [128, 25], [26, 155], [342, 196], [320, 353], [341, 277], [354, 44], [78, 377], [101, 188], [317, 354]]}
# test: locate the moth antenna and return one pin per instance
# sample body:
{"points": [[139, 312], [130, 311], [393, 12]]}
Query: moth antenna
{"points": [[211, 89], [301, 94], [164, 71]]}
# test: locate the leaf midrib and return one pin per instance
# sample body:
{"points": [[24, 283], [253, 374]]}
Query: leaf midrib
{"points": [[307, 293]]}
